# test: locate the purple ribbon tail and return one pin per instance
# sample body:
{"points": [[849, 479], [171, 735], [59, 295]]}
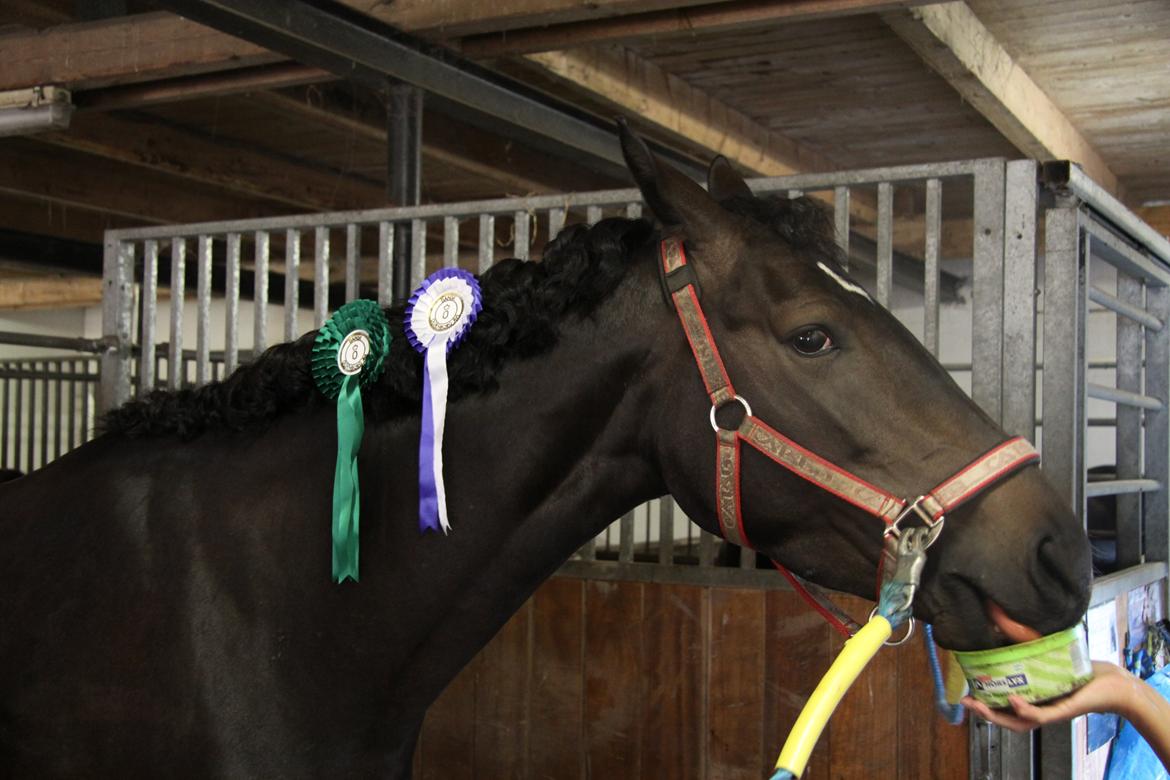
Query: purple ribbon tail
{"points": [[428, 496]]}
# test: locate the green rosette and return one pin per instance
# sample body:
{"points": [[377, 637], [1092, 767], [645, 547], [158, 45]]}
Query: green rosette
{"points": [[349, 354]]}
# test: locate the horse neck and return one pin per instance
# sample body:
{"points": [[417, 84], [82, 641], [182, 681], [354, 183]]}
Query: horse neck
{"points": [[533, 470]]}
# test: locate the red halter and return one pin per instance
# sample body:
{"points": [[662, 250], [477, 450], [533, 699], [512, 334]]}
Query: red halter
{"points": [[931, 508]]}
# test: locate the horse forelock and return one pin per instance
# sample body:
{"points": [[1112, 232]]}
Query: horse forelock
{"points": [[525, 305]]}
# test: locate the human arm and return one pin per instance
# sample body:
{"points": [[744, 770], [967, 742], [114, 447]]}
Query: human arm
{"points": [[1112, 689]]}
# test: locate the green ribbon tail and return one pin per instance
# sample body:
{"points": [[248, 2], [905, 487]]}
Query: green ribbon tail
{"points": [[346, 497]]}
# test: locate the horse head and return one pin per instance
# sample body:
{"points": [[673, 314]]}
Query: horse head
{"points": [[821, 362]]}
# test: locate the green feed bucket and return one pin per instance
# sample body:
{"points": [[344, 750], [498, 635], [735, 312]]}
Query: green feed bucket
{"points": [[1037, 671]]}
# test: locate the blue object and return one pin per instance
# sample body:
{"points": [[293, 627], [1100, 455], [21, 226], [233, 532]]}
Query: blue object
{"points": [[1132, 757], [952, 712]]}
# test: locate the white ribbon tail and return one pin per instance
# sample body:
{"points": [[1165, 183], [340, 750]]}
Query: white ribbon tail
{"points": [[437, 369]]}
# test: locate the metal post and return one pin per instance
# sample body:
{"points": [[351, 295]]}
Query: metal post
{"points": [[231, 296], [1063, 405], [987, 290], [1065, 312], [933, 220], [1156, 505], [1128, 432], [404, 172], [117, 314], [1019, 300], [885, 243]]}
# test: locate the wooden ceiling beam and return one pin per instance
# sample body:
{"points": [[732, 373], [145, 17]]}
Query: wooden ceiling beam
{"points": [[714, 17], [630, 84], [450, 142], [47, 174], [146, 142], [1157, 217], [45, 218], [49, 292], [280, 75], [952, 41], [635, 86], [122, 50]]}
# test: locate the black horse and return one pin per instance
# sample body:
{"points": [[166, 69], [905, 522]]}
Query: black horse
{"points": [[167, 607]]}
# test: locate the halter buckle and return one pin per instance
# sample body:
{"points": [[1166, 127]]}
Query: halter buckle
{"points": [[915, 507]]}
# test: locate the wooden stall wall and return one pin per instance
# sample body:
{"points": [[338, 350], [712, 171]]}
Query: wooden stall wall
{"points": [[596, 679]]}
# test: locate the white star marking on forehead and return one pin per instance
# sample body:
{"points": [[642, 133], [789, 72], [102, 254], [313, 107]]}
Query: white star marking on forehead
{"points": [[845, 283]]}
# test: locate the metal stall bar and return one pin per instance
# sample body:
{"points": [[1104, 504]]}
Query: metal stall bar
{"points": [[71, 435], [292, 276], [1106, 393], [930, 300], [1065, 303], [988, 288], [30, 432], [203, 316], [1156, 505], [450, 242], [634, 210], [841, 221], [1122, 304], [487, 239], [260, 295], [418, 249], [1129, 303], [353, 252], [44, 449], [5, 402], [385, 263], [117, 315], [58, 407], [1018, 396], [320, 276], [556, 222], [520, 234], [1116, 487], [149, 321], [665, 530], [626, 537], [231, 305], [885, 243], [1066, 257], [18, 413], [176, 374]]}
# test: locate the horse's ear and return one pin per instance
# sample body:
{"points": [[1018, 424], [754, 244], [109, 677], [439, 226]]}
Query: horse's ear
{"points": [[724, 182], [673, 197]]}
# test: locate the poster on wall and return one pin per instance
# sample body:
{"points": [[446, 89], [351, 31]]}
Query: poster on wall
{"points": [[1093, 734]]}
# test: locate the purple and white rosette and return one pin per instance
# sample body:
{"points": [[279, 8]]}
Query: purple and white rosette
{"points": [[436, 320]]}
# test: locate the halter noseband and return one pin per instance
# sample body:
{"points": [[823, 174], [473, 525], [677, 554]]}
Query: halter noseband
{"points": [[931, 508]]}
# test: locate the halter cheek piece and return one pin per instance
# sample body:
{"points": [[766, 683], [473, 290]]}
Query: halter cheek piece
{"points": [[931, 508]]}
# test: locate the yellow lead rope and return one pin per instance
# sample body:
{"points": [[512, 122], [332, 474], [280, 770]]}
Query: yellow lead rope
{"points": [[824, 700]]}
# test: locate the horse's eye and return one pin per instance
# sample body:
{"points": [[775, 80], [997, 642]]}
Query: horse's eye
{"points": [[812, 341]]}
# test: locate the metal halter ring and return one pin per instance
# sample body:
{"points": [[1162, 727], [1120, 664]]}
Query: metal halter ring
{"points": [[742, 402], [904, 639]]}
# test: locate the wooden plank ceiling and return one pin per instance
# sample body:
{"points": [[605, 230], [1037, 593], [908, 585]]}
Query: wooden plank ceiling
{"points": [[176, 122]]}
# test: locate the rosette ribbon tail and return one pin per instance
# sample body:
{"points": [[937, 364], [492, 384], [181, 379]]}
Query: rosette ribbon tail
{"points": [[346, 495], [432, 494]]}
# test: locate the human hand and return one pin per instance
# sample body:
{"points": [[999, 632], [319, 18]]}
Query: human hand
{"points": [[1112, 689]]}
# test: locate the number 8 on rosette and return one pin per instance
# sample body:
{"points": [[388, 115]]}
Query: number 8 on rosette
{"points": [[437, 318]]}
